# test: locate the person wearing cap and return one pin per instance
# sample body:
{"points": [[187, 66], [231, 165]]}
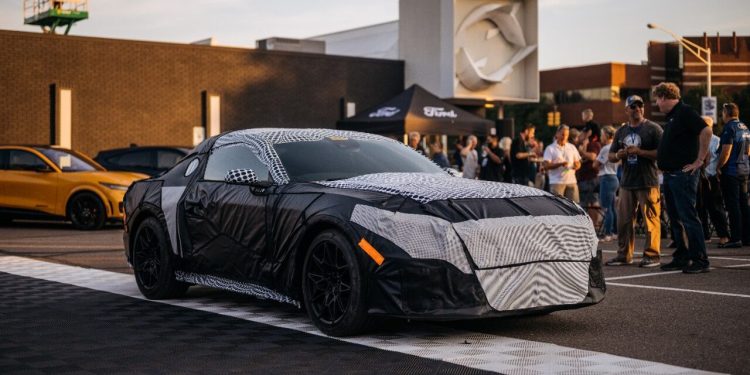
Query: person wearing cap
{"points": [[680, 156], [561, 160], [734, 165], [635, 144]]}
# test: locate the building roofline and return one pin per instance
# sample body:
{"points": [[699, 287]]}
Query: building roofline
{"points": [[243, 50], [353, 29]]}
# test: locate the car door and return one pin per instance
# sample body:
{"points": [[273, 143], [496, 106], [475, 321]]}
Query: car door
{"points": [[29, 182], [226, 222]]}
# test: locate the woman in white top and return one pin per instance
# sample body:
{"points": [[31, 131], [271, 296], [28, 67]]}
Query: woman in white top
{"points": [[608, 184]]}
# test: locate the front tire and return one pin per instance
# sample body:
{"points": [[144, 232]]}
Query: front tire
{"points": [[153, 262], [333, 286], [87, 211]]}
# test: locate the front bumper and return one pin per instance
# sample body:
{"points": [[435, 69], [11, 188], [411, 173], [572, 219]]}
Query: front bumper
{"points": [[436, 290]]}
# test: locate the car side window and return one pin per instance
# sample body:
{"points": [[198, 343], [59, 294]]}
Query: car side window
{"points": [[19, 160], [133, 159], [166, 159], [226, 158], [4, 159]]}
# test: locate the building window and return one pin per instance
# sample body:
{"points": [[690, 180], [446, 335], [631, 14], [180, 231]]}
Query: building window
{"points": [[611, 93]]}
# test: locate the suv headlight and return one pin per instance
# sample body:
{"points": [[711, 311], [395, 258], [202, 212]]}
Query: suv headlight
{"points": [[114, 186]]}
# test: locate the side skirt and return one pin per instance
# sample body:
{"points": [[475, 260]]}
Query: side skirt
{"points": [[235, 286]]}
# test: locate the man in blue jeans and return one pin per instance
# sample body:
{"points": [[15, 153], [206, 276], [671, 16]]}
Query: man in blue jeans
{"points": [[680, 155], [734, 165]]}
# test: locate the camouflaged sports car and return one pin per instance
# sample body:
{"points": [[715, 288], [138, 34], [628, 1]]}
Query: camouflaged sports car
{"points": [[352, 226]]}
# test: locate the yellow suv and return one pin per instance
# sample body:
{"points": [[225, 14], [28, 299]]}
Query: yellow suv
{"points": [[50, 182]]}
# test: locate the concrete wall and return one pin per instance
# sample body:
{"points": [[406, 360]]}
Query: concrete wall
{"points": [[150, 93]]}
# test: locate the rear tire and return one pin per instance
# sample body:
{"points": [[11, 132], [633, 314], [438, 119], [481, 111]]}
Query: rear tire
{"points": [[153, 262], [87, 211], [334, 287], [5, 220]]}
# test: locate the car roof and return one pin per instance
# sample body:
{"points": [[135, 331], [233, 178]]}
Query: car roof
{"points": [[33, 147], [184, 150]]}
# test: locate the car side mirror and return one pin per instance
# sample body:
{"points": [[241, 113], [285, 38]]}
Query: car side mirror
{"points": [[452, 172], [241, 176]]}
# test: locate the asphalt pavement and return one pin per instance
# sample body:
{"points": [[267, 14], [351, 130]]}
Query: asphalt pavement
{"points": [[692, 322]]}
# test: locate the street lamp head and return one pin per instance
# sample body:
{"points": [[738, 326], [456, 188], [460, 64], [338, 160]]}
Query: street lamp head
{"points": [[650, 25]]}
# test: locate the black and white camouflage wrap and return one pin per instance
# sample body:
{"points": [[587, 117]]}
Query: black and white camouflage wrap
{"points": [[234, 286], [428, 187], [535, 285], [240, 176], [522, 261], [420, 236], [507, 241]]}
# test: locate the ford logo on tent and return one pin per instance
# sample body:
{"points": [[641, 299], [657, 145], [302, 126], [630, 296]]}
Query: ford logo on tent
{"points": [[385, 112], [439, 112]]}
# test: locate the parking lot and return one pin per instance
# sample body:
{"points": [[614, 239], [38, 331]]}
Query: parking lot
{"points": [[69, 305]]}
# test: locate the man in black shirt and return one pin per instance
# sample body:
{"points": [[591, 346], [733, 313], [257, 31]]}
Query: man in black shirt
{"points": [[680, 155], [590, 128], [520, 152], [492, 165]]}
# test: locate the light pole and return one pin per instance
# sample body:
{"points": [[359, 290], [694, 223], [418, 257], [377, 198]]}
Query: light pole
{"points": [[695, 49]]}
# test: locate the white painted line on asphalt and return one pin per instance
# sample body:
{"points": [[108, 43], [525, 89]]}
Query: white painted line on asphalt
{"points": [[61, 247], [681, 290], [709, 257], [725, 258], [608, 279], [483, 351], [737, 266]]}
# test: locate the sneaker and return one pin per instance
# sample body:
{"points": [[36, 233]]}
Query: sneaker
{"points": [[731, 245], [607, 238], [618, 261], [649, 262], [674, 265], [695, 268]]}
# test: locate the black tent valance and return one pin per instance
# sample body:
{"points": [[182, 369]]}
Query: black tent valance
{"points": [[416, 109]]}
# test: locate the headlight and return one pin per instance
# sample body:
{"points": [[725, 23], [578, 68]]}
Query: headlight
{"points": [[114, 186]]}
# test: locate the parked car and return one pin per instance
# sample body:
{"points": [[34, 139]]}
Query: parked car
{"points": [[55, 183], [354, 225], [150, 160]]}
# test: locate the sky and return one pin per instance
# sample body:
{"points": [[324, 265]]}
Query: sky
{"points": [[571, 32]]}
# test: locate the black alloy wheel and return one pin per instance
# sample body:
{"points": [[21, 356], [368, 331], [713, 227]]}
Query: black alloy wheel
{"points": [[87, 211], [153, 262], [333, 286]]}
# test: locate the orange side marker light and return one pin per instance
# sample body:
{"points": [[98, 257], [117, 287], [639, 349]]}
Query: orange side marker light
{"points": [[374, 254]]}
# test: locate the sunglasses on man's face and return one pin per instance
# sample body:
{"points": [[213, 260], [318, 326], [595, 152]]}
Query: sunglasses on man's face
{"points": [[636, 105]]}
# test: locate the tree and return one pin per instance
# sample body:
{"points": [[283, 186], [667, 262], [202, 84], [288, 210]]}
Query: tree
{"points": [[742, 98], [534, 113]]}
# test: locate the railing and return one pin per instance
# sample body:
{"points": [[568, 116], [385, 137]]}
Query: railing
{"points": [[33, 9]]}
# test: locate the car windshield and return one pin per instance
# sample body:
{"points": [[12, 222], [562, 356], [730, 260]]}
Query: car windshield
{"points": [[338, 158], [68, 161]]}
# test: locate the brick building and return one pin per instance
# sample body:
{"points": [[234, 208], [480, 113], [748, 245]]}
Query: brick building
{"points": [[601, 87], [150, 93], [730, 64]]}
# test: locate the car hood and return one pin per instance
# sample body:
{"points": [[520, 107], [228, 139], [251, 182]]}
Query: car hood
{"points": [[428, 187], [111, 177]]}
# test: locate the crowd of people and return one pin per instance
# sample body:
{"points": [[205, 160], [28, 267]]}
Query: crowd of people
{"points": [[622, 174]]}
